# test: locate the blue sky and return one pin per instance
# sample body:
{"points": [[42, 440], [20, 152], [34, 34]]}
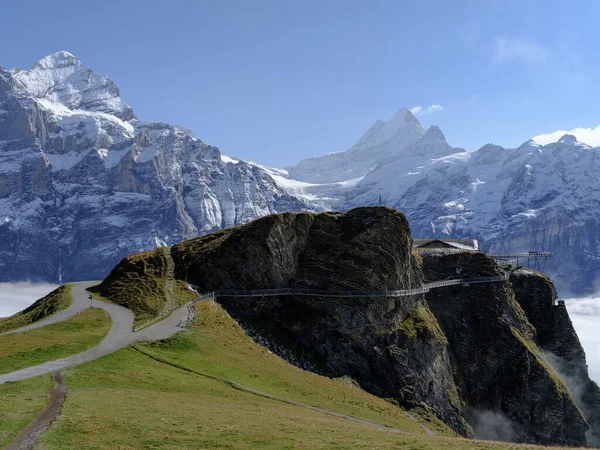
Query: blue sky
{"points": [[278, 81]]}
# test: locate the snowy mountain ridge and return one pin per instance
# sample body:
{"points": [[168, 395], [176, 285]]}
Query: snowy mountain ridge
{"points": [[84, 183], [533, 197]]}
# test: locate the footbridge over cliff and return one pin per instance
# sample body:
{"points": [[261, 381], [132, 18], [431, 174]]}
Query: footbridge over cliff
{"points": [[338, 294]]}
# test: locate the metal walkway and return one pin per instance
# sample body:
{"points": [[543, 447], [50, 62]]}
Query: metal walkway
{"points": [[534, 258], [337, 294]]}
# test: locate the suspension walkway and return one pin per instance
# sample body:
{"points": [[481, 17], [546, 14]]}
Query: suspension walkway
{"points": [[336, 294]]}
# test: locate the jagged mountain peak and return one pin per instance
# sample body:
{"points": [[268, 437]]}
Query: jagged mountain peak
{"points": [[404, 114], [529, 144], [45, 74], [62, 79], [434, 133], [568, 139], [131, 184], [57, 60], [402, 126]]}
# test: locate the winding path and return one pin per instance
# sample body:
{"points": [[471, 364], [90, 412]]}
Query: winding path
{"points": [[79, 303], [119, 336]]}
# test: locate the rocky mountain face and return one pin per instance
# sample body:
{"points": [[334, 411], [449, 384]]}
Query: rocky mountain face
{"points": [[497, 360], [535, 197], [83, 182], [500, 337]]}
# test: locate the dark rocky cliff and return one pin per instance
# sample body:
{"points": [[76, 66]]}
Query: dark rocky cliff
{"points": [[510, 389], [477, 356], [557, 338]]}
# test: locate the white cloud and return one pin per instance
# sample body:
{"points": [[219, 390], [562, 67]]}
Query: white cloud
{"points": [[419, 110], [590, 136], [522, 50], [585, 315], [15, 297]]}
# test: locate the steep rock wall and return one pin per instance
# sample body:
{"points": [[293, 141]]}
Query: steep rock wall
{"points": [[512, 391], [556, 336]]}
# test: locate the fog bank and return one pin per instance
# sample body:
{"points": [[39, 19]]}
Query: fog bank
{"points": [[585, 314], [15, 297]]}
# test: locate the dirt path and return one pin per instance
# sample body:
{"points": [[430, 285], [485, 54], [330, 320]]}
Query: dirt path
{"points": [[29, 435]]}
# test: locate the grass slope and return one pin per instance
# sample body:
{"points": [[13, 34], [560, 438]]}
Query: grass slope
{"points": [[55, 301], [128, 400], [20, 403], [218, 346], [33, 347]]}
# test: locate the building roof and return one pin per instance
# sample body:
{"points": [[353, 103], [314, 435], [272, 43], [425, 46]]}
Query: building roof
{"points": [[466, 244]]}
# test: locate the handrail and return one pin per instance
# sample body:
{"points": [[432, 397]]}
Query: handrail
{"points": [[521, 255], [327, 293], [333, 293]]}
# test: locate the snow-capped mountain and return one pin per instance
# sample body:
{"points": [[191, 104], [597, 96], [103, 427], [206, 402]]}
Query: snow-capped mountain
{"points": [[544, 198], [84, 183], [381, 142]]}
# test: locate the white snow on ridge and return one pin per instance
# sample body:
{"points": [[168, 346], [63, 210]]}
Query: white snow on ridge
{"points": [[228, 159], [46, 73], [349, 183], [68, 117]]}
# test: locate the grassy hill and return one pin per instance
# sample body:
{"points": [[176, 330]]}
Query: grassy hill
{"points": [[139, 283], [168, 395], [55, 301], [30, 348]]}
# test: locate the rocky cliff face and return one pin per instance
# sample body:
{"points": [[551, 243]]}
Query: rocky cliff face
{"points": [[510, 389], [83, 182], [496, 360], [558, 340], [393, 347]]}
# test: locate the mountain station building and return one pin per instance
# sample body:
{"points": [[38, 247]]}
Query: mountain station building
{"points": [[457, 244]]}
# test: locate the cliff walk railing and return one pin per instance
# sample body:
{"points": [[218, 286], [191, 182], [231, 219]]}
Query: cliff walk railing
{"points": [[337, 294]]}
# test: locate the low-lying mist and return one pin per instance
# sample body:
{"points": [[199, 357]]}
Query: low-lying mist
{"points": [[15, 297], [585, 314]]}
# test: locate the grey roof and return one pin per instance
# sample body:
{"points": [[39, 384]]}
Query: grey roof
{"points": [[468, 244]]}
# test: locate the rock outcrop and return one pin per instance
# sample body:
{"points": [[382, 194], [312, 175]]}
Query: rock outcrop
{"points": [[489, 360]]}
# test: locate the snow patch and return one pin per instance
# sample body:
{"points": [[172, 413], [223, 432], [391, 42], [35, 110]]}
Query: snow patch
{"points": [[228, 159]]}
